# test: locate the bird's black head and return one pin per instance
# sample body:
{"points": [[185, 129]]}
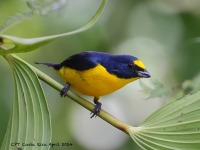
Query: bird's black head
{"points": [[126, 66]]}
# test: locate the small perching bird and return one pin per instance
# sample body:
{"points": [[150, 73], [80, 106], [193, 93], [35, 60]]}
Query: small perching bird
{"points": [[97, 73]]}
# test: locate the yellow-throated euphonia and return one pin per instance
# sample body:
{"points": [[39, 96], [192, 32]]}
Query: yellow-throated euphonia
{"points": [[97, 73]]}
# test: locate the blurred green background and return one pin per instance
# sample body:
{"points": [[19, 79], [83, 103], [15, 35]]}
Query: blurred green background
{"points": [[159, 32]]}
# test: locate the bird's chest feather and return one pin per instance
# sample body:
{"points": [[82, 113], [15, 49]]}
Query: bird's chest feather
{"points": [[94, 82]]}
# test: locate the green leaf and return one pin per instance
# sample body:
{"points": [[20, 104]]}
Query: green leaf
{"points": [[11, 44], [174, 126], [30, 119]]}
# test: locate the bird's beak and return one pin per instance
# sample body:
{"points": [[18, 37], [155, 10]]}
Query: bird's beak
{"points": [[143, 74]]}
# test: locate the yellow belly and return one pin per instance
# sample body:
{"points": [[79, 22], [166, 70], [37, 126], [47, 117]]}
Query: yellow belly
{"points": [[93, 82]]}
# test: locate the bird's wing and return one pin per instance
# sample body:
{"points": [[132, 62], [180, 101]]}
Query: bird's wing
{"points": [[82, 61]]}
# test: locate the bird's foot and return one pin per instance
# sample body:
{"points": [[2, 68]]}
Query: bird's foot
{"points": [[64, 90], [95, 112]]}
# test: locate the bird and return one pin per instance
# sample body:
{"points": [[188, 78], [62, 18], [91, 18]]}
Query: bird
{"points": [[97, 74]]}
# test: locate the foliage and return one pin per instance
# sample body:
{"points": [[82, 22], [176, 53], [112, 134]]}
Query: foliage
{"points": [[30, 119], [174, 126]]}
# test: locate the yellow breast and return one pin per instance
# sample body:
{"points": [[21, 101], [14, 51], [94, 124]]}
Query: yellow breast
{"points": [[93, 82]]}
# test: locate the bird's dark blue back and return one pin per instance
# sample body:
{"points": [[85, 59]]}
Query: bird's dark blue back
{"points": [[84, 60], [114, 64]]}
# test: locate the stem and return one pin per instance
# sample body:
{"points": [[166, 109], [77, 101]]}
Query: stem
{"points": [[86, 104]]}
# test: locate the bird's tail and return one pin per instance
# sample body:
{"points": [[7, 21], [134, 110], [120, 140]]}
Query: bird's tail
{"points": [[55, 66]]}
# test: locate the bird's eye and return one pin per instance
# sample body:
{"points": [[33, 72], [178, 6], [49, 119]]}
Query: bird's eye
{"points": [[131, 65]]}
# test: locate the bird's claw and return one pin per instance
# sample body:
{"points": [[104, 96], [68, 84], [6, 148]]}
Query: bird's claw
{"points": [[64, 90], [63, 93], [95, 112]]}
